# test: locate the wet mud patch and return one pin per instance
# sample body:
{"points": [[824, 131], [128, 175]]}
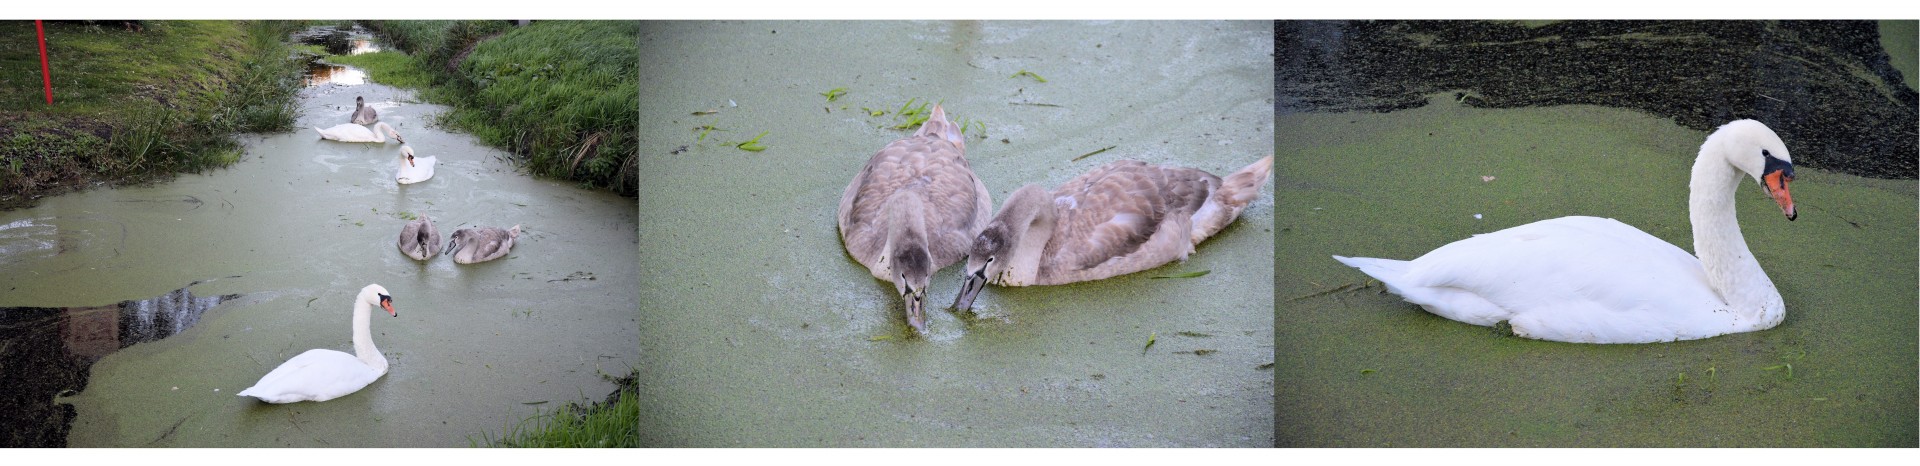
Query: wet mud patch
{"points": [[47, 353], [1827, 87]]}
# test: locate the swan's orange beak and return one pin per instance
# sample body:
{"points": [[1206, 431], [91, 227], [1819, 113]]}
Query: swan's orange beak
{"points": [[387, 303], [1776, 184]]}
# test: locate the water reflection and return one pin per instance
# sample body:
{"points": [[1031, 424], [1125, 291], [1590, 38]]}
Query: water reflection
{"points": [[46, 352], [363, 45], [319, 73]]}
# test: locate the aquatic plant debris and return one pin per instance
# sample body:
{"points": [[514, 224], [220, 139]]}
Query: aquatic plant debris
{"points": [[1185, 274], [706, 112], [704, 129], [834, 93], [1789, 368], [753, 145], [1029, 74], [880, 338], [1090, 154], [1150, 338]]}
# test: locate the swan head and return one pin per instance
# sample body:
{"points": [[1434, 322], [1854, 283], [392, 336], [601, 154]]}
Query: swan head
{"points": [[377, 295], [983, 261], [407, 153], [912, 270], [938, 126], [1754, 149], [359, 102]]}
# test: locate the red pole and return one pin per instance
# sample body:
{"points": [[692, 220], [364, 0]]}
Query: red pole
{"points": [[44, 75]]}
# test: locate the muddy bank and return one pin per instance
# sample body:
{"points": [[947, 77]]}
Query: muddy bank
{"points": [[1827, 87]]}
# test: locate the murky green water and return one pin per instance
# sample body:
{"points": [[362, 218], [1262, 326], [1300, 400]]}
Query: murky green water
{"points": [[1361, 368], [303, 224], [758, 330]]}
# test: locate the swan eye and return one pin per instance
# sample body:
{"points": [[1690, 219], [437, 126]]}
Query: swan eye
{"points": [[990, 259]]}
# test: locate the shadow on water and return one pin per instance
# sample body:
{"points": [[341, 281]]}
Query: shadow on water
{"points": [[46, 353], [1828, 87]]}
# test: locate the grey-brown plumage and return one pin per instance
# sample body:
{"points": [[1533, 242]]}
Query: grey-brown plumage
{"points": [[472, 245], [914, 209], [419, 239], [362, 114], [1118, 219]]}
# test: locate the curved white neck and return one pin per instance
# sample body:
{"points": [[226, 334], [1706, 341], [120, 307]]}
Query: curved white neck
{"points": [[363, 337], [1731, 267]]}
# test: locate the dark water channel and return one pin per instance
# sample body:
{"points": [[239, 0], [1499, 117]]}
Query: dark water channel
{"points": [[46, 353]]}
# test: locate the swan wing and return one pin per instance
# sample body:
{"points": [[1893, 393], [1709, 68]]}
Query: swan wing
{"points": [[1579, 279], [956, 200], [316, 375], [1121, 218]]}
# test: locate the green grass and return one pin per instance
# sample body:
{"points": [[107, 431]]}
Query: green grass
{"points": [[563, 95], [614, 423], [137, 105], [388, 67]]}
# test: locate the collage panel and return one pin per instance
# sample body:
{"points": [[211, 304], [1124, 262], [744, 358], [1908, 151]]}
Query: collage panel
{"points": [[764, 323], [1491, 229], [191, 206]]}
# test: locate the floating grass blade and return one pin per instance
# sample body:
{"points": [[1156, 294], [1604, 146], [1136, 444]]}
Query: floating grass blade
{"points": [[835, 93], [1150, 338], [753, 145], [1090, 154], [1029, 74], [1186, 274]]}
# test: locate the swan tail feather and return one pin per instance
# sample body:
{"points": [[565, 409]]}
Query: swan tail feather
{"points": [[1236, 191]]}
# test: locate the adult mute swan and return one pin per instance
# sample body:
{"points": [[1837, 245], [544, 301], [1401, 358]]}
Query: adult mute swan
{"points": [[1596, 280], [475, 245], [419, 239], [414, 169], [321, 375], [1121, 218], [349, 132], [362, 114], [913, 209]]}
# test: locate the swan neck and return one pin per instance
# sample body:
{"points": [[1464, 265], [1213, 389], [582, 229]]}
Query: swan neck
{"points": [[363, 336], [1731, 269], [1030, 226]]}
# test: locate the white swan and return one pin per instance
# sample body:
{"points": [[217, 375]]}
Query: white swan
{"points": [[1595, 280], [414, 169], [349, 132], [362, 114], [321, 375]]}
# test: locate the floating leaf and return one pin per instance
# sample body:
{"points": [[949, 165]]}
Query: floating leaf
{"points": [[706, 112], [1366, 371], [1150, 338], [880, 338], [872, 112], [1185, 333], [1185, 274], [533, 402], [835, 93], [1090, 154], [1029, 74]]}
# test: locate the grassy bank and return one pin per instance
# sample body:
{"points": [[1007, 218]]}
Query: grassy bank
{"points": [[136, 102], [563, 95], [613, 423]]}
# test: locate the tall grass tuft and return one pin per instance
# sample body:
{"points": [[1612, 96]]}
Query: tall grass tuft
{"points": [[614, 423], [563, 95]]}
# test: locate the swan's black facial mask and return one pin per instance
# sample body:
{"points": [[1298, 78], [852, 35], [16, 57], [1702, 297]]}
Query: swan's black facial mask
{"points": [[1774, 177]]}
